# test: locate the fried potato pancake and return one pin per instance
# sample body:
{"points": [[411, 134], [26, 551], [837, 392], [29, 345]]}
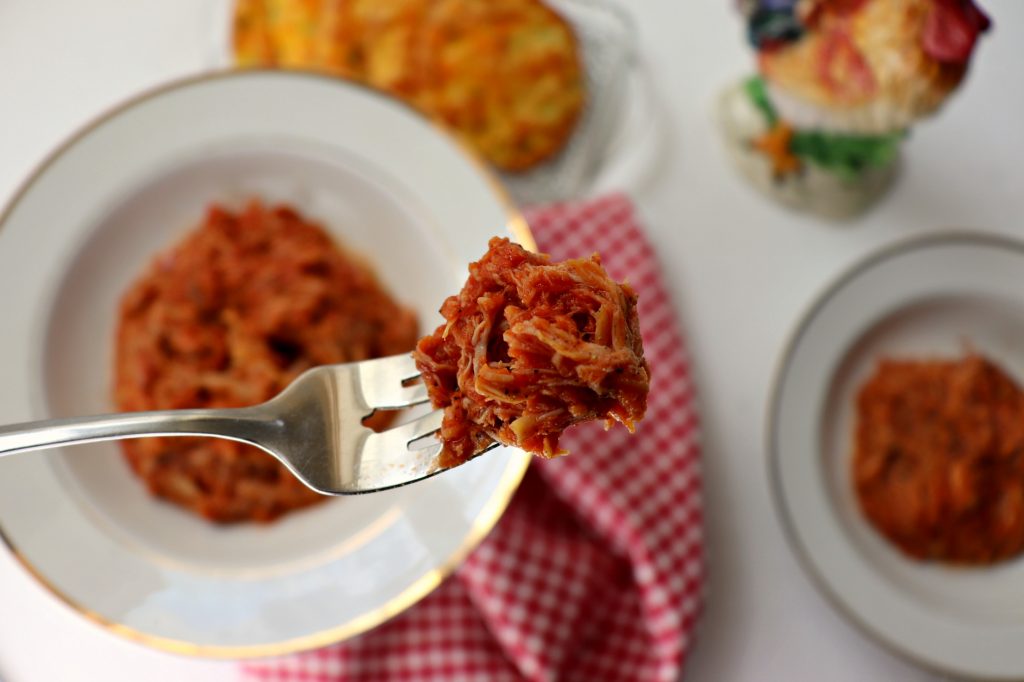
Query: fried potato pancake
{"points": [[503, 74]]}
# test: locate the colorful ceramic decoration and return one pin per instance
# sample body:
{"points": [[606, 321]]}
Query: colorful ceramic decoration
{"points": [[839, 84]]}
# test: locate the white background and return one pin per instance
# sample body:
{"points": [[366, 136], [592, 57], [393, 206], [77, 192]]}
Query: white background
{"points": [[740, 269]]}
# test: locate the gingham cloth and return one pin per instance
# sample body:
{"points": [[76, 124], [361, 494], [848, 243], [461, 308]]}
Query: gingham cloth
{"points": [[594, 571]]}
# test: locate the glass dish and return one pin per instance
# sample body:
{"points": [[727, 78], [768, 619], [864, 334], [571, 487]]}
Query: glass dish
{"points": [[602, 143]]}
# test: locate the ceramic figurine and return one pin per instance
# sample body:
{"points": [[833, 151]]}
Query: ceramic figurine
{"points": [[839, 84]]}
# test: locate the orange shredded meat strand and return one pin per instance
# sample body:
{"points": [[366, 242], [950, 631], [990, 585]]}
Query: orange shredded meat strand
{"points": [[227, 318], [939, 459], [530, 348]]}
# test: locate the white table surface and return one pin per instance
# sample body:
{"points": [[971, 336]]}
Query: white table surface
{"points": [[741, 271]]}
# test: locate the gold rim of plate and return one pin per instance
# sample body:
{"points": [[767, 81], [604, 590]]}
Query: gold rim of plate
{"points": [[482, 525]]}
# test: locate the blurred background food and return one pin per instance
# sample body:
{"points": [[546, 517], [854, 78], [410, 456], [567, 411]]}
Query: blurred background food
{"points": [[228, 317], [506, 75], [937, 458]]}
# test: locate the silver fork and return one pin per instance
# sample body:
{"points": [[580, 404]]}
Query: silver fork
{"points": [[314, 427]]}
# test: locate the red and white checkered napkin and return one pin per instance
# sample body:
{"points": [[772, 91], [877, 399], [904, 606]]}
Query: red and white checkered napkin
{"points": [[594, 571]]}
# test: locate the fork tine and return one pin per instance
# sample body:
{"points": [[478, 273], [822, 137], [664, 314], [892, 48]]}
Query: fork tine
{"points": [[385, 459], [394, 443], [413, 395], [380, 382], [418, 428], [403, 366]]}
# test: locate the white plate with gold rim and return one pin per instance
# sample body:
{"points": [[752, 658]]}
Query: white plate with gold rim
{"points": [[930, 297], [386, 183]]}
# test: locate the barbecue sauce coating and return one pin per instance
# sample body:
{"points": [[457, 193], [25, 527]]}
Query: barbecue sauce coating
{"points": [[530, 348]]}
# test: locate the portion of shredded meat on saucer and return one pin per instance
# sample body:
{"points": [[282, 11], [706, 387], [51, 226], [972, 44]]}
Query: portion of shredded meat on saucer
{"points": [[938, 461]]}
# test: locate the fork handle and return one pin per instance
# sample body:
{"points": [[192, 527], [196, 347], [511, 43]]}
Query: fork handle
{"points": [[247, 424]]}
